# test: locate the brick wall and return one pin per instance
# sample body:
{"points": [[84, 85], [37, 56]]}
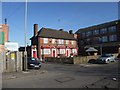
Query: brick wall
{"points": [[4, 29]]}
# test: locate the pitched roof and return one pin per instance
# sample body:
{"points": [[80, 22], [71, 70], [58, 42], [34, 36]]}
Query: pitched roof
{"points": [[91, 49], [52, 33]]}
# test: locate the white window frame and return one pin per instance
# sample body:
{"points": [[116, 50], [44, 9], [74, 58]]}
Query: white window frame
{"points": [[53, 41], [67, 41], [72, 42], [45, 40], [60, 41], [46, 51], [62, 51]]}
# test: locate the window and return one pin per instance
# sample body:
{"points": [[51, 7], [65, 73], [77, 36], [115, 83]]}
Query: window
{"points": [[72, 42], [0, 26], [53, 41], [112, 29], [97, 40], [83, 34], [67, 41], [103, 30], [74, 51], [62, 51], [60, 41], [105, 39], [46, 51], [45, 40], [95, 32], [113, 37], [89, 33]]}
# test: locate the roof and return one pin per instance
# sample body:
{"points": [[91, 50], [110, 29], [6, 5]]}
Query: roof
{"points": [[98, 26], [57, 34], [91, 49]]}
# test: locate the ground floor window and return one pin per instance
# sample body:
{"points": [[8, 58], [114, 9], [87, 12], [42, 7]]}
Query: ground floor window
{"points": [[62, 51], [56, 52], [74, 51], [46, 51]]}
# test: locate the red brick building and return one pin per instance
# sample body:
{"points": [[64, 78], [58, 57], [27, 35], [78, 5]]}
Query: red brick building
{"points": [[3, 36], [52, 43], [104, 37]]}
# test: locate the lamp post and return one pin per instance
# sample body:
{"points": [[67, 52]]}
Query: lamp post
{"points": [[25, 28], [100, 45]]}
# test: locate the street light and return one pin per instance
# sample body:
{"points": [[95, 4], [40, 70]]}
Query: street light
{"points": [[25, 28], [100, 45]]}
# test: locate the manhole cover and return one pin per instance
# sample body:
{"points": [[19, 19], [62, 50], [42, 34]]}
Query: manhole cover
{"points": [[64, 79]]}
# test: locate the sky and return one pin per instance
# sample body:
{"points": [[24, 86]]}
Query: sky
{"points": [[55, 15]]}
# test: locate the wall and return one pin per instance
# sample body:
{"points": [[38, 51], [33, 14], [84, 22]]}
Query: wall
{"points": [[3, 36], [67, 60], [55, 45], [10, 65], [83, 59]]}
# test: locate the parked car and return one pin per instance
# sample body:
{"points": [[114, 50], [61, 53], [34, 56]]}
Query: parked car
{"points": [[33, 63], [106, 58]]}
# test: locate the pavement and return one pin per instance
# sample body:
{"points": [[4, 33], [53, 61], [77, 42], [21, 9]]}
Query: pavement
{"points": [[63, 76], [28, 73], [105, 82]]}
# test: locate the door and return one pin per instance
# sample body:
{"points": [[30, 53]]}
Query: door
{"points": [[34, 54], [53, 53], [67, 53]]}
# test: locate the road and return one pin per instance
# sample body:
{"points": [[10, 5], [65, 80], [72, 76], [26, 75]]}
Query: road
{"points": [[54, 75]]}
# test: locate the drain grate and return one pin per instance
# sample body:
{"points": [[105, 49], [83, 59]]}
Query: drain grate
{"points": [[64, 79]]}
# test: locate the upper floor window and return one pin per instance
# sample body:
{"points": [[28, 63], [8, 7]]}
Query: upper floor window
{"points": [[103, 30], [53, 41], [113, 38], [0, 26], [89, 33], [67, 41], [104, 39], [95, 32], [97, 40], [112, 29], [60, 41], [45, 40], [83, 34], [72, 42]]}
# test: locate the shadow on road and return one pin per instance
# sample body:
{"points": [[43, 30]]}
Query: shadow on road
{"points": [[94, 61]]}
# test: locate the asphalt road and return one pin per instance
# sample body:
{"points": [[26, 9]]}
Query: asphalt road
{"points": [[54, 75]]}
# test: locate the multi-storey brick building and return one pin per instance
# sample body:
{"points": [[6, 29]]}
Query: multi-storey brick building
{"points": [[104, 37], [3, 36], [52, 43]]}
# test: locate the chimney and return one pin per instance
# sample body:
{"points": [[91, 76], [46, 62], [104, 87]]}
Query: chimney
{"points": [[5, 21], [35, 29], [70, 32]]}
